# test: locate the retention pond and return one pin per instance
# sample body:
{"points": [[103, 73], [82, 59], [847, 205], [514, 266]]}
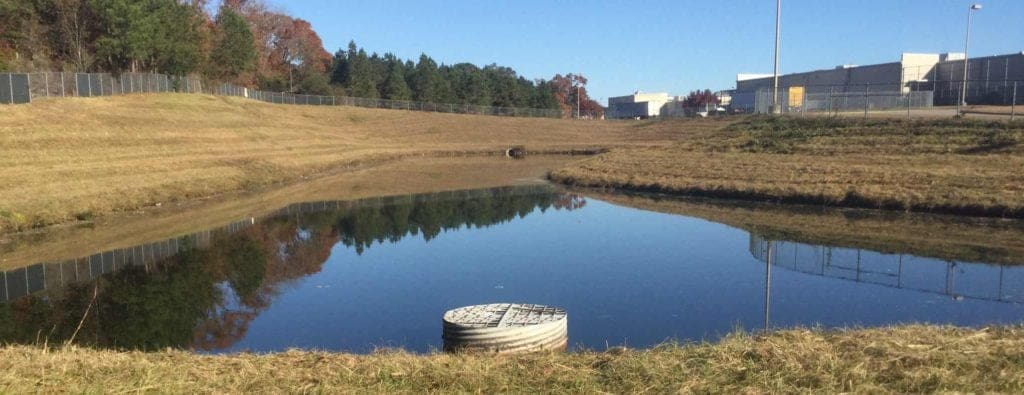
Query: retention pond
{"points": [[359, 275]]}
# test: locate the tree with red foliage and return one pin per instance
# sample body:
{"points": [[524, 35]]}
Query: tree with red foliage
{"points": [[700, 98], [288, 49], [570, 91]]}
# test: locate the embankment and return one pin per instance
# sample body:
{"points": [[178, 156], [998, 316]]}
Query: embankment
{"points": [[963, 167], [76, 159]]}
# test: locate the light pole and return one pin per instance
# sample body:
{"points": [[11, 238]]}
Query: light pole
{"points": [[967, 44], [577, 101], [775, 80]]}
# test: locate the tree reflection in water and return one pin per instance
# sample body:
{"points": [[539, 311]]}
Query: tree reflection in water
{"points": [[205, 298]]}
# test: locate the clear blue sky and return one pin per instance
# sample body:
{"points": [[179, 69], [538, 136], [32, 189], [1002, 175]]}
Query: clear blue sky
{"points": [[661, 45]]}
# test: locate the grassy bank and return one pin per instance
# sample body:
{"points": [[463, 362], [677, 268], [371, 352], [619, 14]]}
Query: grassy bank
{"points": [[913, 359], [949, 166], [74, 159]]}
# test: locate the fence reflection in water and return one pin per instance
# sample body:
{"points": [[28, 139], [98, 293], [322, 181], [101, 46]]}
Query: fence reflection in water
{"points": [[46, 276], [955, 279]]}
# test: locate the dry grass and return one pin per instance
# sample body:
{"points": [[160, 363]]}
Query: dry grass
{"points": [[79, 158], [952, 166], [911, 359]]}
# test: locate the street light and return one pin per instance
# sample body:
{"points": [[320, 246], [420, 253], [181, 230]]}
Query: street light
{"points": [[775, 80], [967, 43]]}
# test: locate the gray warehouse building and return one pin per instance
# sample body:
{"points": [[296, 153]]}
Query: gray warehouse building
{"points": [[929, 79]]}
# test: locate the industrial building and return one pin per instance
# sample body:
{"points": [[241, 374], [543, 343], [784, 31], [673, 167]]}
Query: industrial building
{"points": [[638, 105], [990, 81], [649, 105]]}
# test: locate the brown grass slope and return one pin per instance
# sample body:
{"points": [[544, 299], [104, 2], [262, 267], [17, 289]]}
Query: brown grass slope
{"points": [[951, 166], [912, 359], [76, 158]]}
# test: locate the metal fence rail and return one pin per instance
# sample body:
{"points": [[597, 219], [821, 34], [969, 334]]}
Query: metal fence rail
{"points": [[837, 100], [863, 99], [18, 88], [317, 100], [58, 84]]}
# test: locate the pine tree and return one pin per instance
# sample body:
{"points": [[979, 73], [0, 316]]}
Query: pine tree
{"points": [[234, 50], [176, 41], [361, 76], [426, 80], [125, 35], [339, 68], [395, 87]]}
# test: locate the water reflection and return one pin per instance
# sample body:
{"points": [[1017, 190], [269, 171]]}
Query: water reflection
{"points": [[957, 280], [202, 291], [352, 275]]}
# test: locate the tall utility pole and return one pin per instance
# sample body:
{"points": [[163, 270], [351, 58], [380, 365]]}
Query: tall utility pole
{"points": [[775, 82], [967, 44], [577, 101]]}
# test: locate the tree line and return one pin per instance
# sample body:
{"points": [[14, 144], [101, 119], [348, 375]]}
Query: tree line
{"points": [[250, 43]]}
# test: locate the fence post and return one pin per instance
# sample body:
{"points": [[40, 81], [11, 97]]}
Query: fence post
{"points": [[865, 101], [830, 100], [803, 104], [10, 87], [61, 84], [909, 94], [46, 84], [1013, 104]]}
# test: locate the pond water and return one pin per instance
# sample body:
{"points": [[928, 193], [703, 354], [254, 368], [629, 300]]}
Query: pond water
{"points": [[359, 275]]}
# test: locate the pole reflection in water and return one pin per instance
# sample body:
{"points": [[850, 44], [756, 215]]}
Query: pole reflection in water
{"points": [[767, 285]]}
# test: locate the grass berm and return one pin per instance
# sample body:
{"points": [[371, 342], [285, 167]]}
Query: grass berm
{"points": [[957, 166], [908, 359], [65, 160]]}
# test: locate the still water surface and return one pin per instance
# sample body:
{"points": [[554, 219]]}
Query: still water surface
{"points": [[355, 276]]}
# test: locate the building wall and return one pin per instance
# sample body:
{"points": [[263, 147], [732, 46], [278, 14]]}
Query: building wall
{"points": [[990, 79], [880, 77], [917, 67], [642, 105], [622, 110]]}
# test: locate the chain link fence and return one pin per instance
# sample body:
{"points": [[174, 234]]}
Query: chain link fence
{"points": [[26, 87], [881, 99], [318, 100], [19, 88], [14, 88]]}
